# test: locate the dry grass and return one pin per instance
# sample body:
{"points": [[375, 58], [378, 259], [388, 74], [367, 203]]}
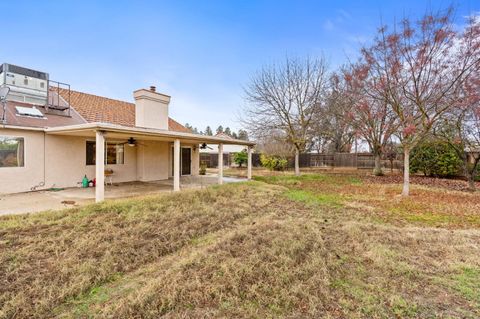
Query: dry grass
{"points": [[427, 206], [321, 245]]}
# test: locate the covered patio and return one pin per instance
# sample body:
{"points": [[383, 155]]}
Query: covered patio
{"points": [[32, 202], [170, 145]]}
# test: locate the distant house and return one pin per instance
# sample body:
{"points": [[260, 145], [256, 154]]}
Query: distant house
{"points": [[51, 135]]}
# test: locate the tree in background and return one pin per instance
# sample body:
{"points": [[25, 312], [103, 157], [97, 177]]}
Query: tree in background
{"points": [[191, 128], [240, 158], [391, 152], [208, 131], [242, 135], [274, 144], [371, 117], [332, 127], [420, 67], [219, 129], [228, 131], [285, 98], [461, 126]]}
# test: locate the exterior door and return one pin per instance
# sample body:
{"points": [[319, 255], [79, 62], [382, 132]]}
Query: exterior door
{"points": [[186, 161]]}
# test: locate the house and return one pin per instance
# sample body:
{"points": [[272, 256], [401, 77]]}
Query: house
{"points": [[209, 153], [52, 136]]}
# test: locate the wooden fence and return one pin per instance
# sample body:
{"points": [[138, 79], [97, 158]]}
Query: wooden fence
{"points": [[314, 160], [349, 160]]}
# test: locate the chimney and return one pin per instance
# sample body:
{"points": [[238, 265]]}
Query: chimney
{"points": [[151, 108]]}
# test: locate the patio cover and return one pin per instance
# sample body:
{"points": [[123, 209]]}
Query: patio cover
{"points": [[99, 130]]}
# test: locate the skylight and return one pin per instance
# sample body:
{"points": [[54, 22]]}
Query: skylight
{"points": [[29, 111]]}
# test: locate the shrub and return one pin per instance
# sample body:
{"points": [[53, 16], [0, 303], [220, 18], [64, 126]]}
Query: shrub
{"points": [[240, 158], [273, 163], [477, 173], [435, 158]]}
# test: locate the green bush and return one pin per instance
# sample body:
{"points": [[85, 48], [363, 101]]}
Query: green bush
{"points": [[240, 158], [273, 163], [477, 174], [435, 158]]}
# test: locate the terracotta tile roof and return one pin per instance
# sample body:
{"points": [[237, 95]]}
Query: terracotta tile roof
{"points": [[177, 127], [94, 108]]}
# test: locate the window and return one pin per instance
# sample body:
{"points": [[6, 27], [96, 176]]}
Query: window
{"points": [[25, 81], [114, 153], [11, 151]]}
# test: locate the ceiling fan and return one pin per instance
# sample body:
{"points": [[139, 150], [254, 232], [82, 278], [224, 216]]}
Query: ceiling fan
{"points": [[133, 142], [205, 146]]}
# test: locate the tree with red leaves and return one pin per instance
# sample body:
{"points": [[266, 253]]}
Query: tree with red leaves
{"points": [[419, 70], [371, 116]]}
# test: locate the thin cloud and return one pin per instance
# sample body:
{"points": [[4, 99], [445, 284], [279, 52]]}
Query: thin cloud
{"points": [[328, 25]]}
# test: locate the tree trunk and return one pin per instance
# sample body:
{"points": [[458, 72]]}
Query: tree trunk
{"points": [[297, 162], [406, 172], [471, 182], [377, 171], [469, 174]]}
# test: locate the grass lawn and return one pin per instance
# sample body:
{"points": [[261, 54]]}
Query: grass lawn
{"points": [[320, 245]]}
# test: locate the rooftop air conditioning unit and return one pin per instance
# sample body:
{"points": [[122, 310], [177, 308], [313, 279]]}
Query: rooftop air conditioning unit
{"points": [[26, 85]]}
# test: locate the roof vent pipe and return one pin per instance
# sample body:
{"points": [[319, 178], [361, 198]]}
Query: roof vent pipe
{"points": [[153, 88]]}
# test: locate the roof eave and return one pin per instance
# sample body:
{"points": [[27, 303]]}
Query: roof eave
{"points": [[96, 126]]}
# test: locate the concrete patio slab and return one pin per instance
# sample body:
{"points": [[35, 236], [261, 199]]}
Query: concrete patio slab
{"points": [[37, 201]]}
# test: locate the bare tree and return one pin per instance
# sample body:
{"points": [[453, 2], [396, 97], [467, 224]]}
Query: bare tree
{"points": [[274, 144], [419, 69], [461, 126], [332, 127], [285, 98], [371, 116]]}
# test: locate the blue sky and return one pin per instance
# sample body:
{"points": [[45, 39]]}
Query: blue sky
{"points": [[200, 52]]}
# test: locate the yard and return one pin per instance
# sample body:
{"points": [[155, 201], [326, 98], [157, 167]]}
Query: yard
{"points": [[324, 244]]}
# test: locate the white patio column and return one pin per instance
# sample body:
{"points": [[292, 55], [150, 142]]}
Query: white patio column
{"points": [[249, 163], [176, 165], [220, 163], [99, 166]]}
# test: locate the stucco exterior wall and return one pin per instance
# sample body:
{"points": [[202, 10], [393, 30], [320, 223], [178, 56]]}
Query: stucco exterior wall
{"points": [[60, 161], [152, 160], [22, 179], [67, 170]]}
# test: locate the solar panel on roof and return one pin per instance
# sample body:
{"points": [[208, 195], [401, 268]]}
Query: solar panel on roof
{"points": [[29, 111]]}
